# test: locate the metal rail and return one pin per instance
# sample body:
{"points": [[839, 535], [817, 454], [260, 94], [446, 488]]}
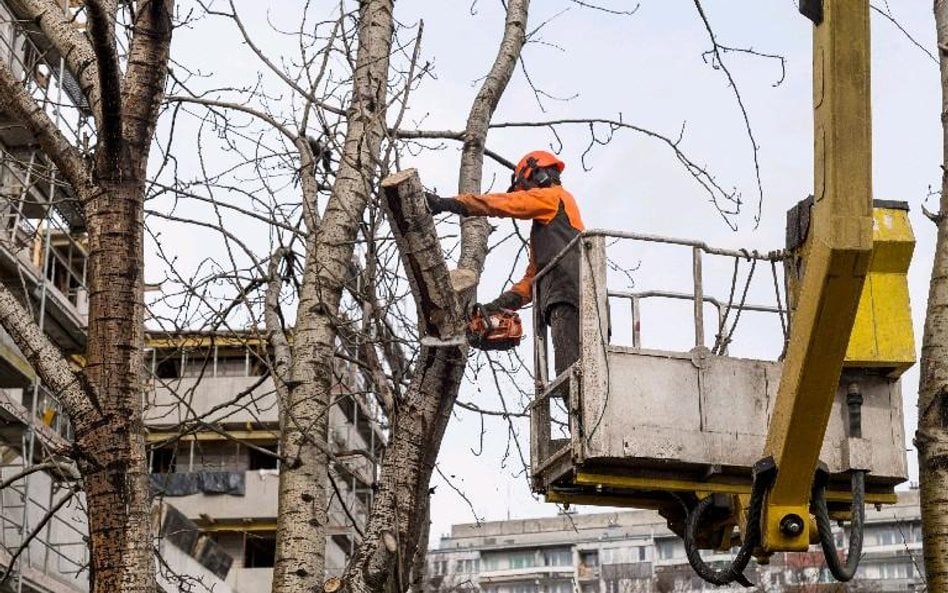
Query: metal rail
{"points": [[698, 250], [33, 179], [636, 297]]}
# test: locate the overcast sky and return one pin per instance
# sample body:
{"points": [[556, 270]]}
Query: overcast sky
{"points": [[649, 68]]}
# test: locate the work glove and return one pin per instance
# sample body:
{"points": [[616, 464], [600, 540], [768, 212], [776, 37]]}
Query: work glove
{"points": [[507, 300], [437, 204]]}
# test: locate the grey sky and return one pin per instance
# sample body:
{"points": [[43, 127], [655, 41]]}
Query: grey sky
{"points": [[649, 67]]}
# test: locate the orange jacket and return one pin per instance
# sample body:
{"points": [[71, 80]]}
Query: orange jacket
{"points": [[541, 204]]}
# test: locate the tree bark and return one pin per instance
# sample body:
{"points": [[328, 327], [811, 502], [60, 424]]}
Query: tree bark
{"points": [[931, 438], [420, 422], [422, 417], [475, 229], [304, 496], [104, 400]]}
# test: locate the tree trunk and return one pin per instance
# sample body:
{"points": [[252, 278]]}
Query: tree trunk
{"points": [[931, 438], [422, 417], [420, 422], [301, 524], [104, 400], [112, 449]]}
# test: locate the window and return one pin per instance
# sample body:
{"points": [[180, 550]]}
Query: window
{"points": [[493, 562], [522, 560], [558, 557], [467, 566], [589, 557], [896, 571], [560, 587], [231, 366], [623, 555], [261, 460], [169, 368], [163, 461], [669, 548], [259, 550]]}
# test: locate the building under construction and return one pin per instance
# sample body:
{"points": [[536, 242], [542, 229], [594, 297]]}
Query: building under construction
{"points": [[213, 424], [215, 482]]}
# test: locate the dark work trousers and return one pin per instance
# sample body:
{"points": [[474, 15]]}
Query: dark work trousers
{"points": [[564, 325]]}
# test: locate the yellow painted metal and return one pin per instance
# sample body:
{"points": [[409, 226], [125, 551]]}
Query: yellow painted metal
{"points": [[240, 435], [631, 482], [251, 526], [203, 340], [14, 359], [882, 336], [838, 251], [600, 500], [645, 484]]}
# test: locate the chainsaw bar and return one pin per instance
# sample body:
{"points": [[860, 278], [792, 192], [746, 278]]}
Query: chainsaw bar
{"points": [[436, 342]]}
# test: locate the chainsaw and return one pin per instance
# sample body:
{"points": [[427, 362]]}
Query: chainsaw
{"points": [[500, 329]]}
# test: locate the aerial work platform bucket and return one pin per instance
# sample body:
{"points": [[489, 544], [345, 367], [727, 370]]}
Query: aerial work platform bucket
{"points": [[628, 425]]}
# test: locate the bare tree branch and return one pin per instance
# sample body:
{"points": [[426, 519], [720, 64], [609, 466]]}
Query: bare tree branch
{"points": [[718, 62], [102, 32], [50, 364], [18, 103]]}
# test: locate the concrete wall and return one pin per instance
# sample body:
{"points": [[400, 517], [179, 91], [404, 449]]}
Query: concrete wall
{"points": [[59, 553], [250, 580], [184, 573], [174, 401], [259, 501]]}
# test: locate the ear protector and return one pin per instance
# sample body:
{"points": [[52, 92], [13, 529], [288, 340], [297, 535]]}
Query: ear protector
{"points": [[530, 176]]}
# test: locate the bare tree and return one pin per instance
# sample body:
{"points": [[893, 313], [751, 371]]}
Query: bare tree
{"points": [[314, 157], [931, 438], [104, 398]]}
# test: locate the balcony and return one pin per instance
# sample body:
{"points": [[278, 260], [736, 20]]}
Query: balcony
{"points": [[51, 426], [250, 580], [215, 400], [259, 501], [515, 574], [585, 573]]}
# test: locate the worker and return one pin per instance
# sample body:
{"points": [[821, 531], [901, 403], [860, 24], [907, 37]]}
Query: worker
{"points": [[536, 194]]}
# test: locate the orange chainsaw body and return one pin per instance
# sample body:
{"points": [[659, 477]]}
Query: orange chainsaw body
{"points": [[497, 330]]}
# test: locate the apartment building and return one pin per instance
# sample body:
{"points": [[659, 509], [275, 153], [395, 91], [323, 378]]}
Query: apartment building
{"points": [[43, 527], [213, 421], [634, 551]]}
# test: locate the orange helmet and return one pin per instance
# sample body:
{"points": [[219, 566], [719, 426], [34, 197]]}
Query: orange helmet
{"points": [[525, 173]]}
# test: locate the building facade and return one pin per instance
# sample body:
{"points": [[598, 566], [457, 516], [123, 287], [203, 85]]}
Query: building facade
{"points": [[212, 417], [42, 260], [210, 408], [635, 552]]}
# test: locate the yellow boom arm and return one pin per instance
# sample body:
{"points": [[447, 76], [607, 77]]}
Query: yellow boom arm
{"points": [[836, 260]]}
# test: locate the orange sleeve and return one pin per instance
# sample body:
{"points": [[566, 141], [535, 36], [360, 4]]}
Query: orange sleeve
{"points": [[541, 204], [524, 288]]}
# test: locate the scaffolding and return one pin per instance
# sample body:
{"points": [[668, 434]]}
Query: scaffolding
{"points": [[43, 260]]}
